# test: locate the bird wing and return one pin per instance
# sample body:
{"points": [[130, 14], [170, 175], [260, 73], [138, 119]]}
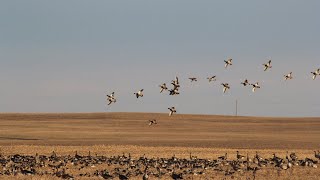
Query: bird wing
{"points": [[265, 68]]}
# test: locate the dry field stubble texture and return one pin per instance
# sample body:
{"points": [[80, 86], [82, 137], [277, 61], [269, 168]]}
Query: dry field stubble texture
{"points": [[111, 134]]}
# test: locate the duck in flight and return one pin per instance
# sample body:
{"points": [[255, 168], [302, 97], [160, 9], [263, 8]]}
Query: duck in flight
{"points": [[315, 73], [163, 87], [255, 86], [176, 86], [172, 110], [225, 87], [175, 83], [193, 79], [227, 62], [153, 121], [139, 93], [212, 78], [245, 82], [288, 76], [174, 91], [111, 98], [267, 65]]}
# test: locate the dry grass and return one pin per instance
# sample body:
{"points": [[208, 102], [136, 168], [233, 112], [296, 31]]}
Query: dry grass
{"points": [[138, 151], [204, 136], [179, 130], [180, 152]]}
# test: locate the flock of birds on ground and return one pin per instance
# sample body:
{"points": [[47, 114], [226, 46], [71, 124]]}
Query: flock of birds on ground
{"points": [[176, 85], [125, 166]]}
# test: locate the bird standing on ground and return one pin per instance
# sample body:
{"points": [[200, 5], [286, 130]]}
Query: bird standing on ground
{"points": [[239, 156], [225, 87], [228, 62], [172, 110], [139, 93], [267, 65], [223, 158]]}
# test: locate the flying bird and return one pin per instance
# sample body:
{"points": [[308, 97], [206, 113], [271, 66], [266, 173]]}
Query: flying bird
{"points": [[139, 93], [176, 86], [288, 76], [193, 79], [267, 65], [153, 121], [225, 87], [111, 98], [163, 87], [212, 78], [174, 91], [245, 82], [228, 62], [175, 83], [255, 86], [172, 110], [315, 73]]}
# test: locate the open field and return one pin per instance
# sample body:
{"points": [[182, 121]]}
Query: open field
{"points": [[207, 137], [178, 130]]}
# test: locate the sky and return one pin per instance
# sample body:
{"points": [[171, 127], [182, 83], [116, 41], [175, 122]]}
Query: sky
{"points": [[65, 56]]}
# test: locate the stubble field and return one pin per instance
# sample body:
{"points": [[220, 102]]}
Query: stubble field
{"points": [[205, 136]]}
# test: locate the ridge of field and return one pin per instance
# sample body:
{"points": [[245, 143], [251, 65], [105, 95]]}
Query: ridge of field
{"points": [[180, 130]]}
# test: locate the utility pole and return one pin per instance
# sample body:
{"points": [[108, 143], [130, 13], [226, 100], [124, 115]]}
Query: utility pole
{"points": [[236, 107]]}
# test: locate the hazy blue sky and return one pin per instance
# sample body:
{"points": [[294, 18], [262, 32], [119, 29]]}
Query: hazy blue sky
{"points": [[64, 56]]}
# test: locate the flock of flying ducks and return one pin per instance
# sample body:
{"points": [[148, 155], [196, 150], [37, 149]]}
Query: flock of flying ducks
{"points": [[176, 85]]}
